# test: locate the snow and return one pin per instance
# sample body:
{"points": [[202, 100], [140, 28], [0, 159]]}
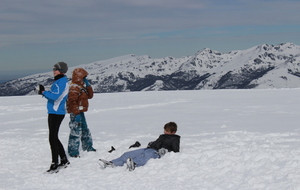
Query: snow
{"points": [[230, 139]]}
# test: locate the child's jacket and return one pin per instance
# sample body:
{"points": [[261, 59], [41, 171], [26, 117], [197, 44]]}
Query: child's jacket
{"points": [[78, 93]]}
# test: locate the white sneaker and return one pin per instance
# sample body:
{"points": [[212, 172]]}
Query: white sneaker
{"points": [[130, 164], [103, 164]]}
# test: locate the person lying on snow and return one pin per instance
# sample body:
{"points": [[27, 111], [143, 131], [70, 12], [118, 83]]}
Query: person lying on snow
{"points": [[168, 141]]}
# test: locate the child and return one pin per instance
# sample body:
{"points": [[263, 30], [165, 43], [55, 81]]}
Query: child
{"points": [[168, 141], [79, 93]]}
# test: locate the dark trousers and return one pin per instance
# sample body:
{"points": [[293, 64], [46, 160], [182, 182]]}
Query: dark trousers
{"points": [[57, 148]]}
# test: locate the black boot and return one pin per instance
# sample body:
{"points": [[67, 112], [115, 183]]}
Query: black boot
{"points": [[64, 162], [53, 167]]}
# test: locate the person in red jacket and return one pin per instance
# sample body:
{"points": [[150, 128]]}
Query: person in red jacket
{"points": [[166, 142], [79, 92]]}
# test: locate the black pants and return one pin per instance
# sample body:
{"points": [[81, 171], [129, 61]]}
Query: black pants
{"points": [[57, 148]]}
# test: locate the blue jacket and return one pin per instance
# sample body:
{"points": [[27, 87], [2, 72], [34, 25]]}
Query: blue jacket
{"points": [[57, 96]]}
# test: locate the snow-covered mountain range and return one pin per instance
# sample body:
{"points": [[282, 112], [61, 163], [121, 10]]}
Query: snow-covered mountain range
{"points": [[263, 66]]}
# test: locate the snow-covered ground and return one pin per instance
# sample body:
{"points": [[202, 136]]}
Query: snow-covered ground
{"points": [[230, 139]]}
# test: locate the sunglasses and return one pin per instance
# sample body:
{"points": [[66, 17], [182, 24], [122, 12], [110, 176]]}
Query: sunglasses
{"points": [[55, 69]]}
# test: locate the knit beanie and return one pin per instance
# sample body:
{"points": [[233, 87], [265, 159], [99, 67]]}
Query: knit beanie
{"points": [[62, 67]]}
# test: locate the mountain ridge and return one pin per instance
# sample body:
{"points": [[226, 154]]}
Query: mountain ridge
{"points": [[262, 66]]}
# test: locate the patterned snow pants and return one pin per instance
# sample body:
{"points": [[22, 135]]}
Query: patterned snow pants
{"points": [[79, 132]]}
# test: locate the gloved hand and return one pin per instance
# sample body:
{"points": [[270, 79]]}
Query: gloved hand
{"points": [[78, 118], [41, 88], [86, 82], [149, 144], [162, 152], [112, 149], [136, 144]]}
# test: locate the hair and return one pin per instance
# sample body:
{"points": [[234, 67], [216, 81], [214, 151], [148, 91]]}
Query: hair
{"points": [[171, 127]]}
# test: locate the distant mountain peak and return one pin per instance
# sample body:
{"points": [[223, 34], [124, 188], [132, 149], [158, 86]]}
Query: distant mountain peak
{"points": [[262, 66]]}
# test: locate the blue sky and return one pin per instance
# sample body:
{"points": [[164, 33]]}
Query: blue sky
{"points": [[35, 34]]}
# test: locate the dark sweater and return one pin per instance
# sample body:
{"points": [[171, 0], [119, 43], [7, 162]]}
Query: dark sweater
{"points": [[170, 142]]}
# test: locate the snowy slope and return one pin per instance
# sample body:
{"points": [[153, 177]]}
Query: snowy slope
{"points": [[230, 139]]}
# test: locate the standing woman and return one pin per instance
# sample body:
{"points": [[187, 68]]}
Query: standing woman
{"points": [[56, 106]]}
